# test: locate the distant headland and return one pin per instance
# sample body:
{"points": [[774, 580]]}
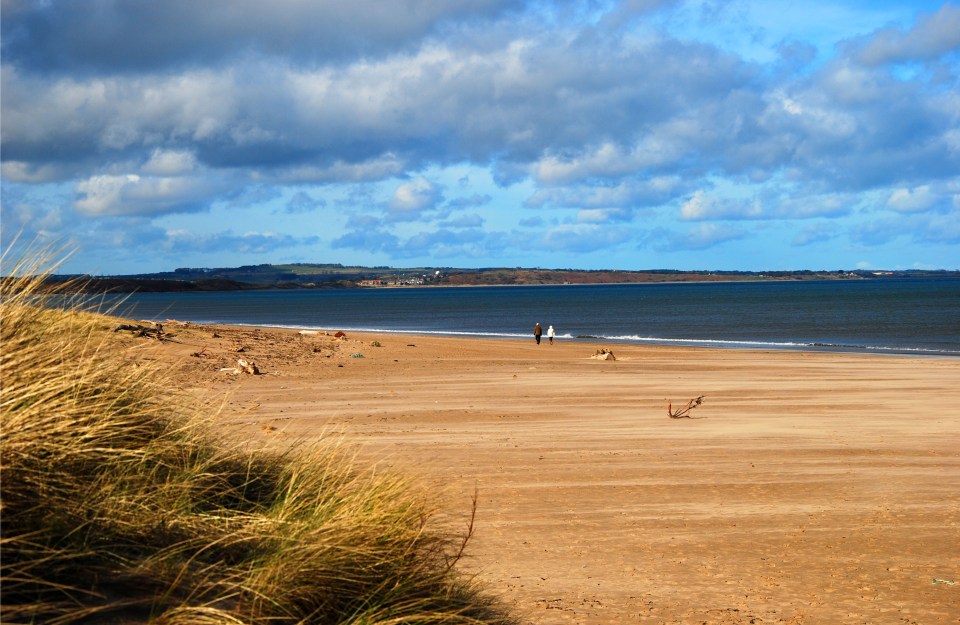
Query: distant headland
{"points": [[332, 275]]}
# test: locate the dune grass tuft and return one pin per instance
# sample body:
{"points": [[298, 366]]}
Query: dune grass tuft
{"points": [[118, 507]]}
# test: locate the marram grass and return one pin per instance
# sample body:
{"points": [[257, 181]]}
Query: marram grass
{"points": [[117, 507]]}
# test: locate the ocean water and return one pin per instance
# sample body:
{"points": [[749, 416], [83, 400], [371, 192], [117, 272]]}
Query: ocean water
{"points": [[915, 315]]}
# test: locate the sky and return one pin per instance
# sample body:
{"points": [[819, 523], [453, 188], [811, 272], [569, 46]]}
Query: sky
{"points": [[752, 135]]}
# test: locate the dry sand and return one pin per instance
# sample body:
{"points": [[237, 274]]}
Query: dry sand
{"points": [[811, 488]]}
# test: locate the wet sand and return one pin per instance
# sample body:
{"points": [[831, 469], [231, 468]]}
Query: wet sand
{"points": [[808, 488]]}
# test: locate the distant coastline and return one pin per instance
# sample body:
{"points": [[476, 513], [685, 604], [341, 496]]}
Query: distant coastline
{"points": [[335, 276]]}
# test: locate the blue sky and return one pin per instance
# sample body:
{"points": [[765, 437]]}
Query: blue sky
{"points": [[642, 134]]}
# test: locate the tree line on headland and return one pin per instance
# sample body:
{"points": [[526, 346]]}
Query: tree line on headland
{"points": [[309, 276]]}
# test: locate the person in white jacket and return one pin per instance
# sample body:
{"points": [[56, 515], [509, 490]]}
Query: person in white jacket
{"points": [[550, 334]]}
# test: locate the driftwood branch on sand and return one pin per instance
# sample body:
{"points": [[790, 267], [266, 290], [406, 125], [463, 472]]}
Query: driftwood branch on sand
{"points": [[683, 413], [141, 330], [248, 367], [603, 354], [243, 366]]}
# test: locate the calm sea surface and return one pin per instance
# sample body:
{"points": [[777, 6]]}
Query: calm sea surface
{"points": [[917, 316]]}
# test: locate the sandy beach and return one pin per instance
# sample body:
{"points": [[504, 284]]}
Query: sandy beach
{"points": [[808, 488]]}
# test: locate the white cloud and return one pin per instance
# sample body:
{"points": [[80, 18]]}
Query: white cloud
{"points": [[702, 236], [932, 36], [170, 163], [133, 195], [702, 207], [251, 242], [414, 197], [102, 195], [806, 205], [915, 200], [697, 207], [387, 165], [607, 160], [817, 116], [602, 215]]}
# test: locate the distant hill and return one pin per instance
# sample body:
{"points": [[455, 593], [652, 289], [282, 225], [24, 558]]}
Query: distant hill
{"points": [[313, 276]]}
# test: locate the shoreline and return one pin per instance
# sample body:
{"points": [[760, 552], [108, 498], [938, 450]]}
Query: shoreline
{"points": [[618, 341], [910, 319], [808, 487]]}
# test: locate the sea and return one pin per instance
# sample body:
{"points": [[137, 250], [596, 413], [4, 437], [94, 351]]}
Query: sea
{"points": [[918, 316]]}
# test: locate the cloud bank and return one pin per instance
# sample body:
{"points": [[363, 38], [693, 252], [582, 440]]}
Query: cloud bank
{"points": [[480, 132]]}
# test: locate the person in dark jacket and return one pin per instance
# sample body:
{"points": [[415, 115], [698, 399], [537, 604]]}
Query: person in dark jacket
{"points": [[537, 332]]}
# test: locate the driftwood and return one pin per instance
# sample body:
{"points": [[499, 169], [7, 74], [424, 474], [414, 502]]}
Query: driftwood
{"points": [[248, 367], [140, 330], [683, 413], [243, 366]]}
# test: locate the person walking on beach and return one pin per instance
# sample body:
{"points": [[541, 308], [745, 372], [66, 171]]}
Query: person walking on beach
{"points": [[550, 334], [537, 332]]}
